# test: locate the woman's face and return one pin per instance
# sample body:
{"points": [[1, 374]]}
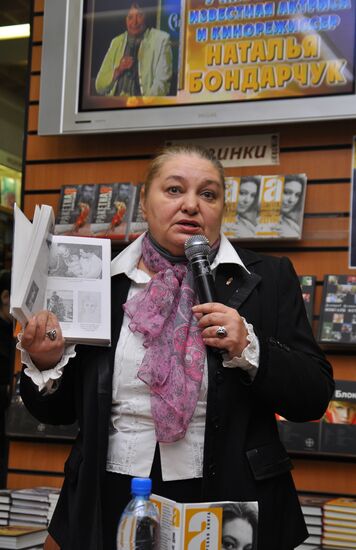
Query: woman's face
{"points": [[291, 195], [237, 534], [186, 198], [342, 413], [247, 196], [135, 22]]}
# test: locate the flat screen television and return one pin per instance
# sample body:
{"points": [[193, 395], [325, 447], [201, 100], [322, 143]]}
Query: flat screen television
{"points": [[118, 66]]}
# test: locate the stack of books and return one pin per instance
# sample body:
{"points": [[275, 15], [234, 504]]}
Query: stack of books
{"points": [[5, 499], [31, 506], [18, 537], [339, 530], [312, 508]]}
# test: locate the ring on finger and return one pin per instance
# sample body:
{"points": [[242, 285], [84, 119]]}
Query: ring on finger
{"points": [[221, 332], [51, 334]]}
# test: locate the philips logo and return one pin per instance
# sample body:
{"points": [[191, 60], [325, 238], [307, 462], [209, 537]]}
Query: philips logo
{"points": [[173, 22]]}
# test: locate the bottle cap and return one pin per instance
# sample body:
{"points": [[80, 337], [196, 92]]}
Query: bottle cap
{"points": [[141, 486]]}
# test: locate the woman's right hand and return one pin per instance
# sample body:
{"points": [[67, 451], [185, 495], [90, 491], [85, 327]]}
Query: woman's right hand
{"points": [[44, 352]]}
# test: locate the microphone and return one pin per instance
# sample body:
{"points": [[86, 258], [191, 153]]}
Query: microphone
{"points": [[197, 250]]}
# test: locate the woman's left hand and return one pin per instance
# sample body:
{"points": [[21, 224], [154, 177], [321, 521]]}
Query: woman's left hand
{"points": [[213, 315]]}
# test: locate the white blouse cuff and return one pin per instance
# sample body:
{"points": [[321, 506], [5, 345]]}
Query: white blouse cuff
{"points": [[250, 356], [46, 380]]}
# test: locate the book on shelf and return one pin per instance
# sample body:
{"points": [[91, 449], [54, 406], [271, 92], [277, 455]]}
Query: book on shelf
{"points": [[4, 514], [337, 324], [307, 285], [137, 222], [113, 210], [186, 525], [314, 529], [331, 522], [313, 520], [342, 504], [38, 494], [264, 207], [34, 510], [333, 434], [5, 496], [77, 205], [340, 529], [312, 505], [339, 516], [18, 537], [69, 276], [337, 544], [306, 546], [341, 541], [20, 519], [313, 539]]}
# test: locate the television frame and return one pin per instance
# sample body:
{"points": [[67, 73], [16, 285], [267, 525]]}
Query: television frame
{"points": [[60, 88]]}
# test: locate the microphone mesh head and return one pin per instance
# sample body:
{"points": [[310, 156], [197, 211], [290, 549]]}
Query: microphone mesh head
{"points": [[197, 245]]}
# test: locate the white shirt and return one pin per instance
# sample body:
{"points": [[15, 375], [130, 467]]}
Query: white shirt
{"points": [[132, 439]]}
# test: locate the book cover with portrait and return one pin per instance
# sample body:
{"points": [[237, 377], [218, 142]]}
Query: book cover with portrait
{"points": [[113, 210], [264, 207], [77, 205]]}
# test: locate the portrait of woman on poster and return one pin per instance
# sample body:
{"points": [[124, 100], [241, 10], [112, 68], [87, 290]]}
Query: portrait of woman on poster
{"points": [[187, 393], [247, 206], [292, 206]]}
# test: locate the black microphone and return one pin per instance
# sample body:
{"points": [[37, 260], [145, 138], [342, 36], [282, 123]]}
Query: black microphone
{"points": [[197, 250]]}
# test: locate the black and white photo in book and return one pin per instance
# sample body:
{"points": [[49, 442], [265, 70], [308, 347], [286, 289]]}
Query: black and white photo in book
{"points": [[89, 307], [75, 260], [337, 324]]}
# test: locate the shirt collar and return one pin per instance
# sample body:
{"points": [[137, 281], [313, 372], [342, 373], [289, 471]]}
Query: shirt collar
{"points": [[126, 262], [227, 254]]}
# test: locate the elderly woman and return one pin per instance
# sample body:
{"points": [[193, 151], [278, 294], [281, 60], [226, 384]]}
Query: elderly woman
{"points": [[171, 399]]}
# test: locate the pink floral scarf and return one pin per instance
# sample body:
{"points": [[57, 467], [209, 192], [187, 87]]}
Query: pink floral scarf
{"points": [[174, 361]]}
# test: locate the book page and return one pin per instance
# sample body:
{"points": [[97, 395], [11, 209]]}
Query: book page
{"points": [[28, 296], [22, 239], [78, 287]]}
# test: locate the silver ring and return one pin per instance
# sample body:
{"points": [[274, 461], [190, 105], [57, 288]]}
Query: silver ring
{"points": [[221, 332], [52, 334]]}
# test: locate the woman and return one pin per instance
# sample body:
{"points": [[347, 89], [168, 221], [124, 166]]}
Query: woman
{"points": [[291, 206], [239, 526], [247, 206], [209, 401]]}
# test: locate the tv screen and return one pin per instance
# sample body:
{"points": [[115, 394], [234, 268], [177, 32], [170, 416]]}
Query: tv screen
{"points": [[153, 64]]}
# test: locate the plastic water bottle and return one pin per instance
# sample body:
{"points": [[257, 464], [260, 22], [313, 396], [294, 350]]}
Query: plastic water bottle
{"points": [[139, 524]]}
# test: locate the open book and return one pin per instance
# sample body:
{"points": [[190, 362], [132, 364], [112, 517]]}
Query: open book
{"points": [[69, 276]]}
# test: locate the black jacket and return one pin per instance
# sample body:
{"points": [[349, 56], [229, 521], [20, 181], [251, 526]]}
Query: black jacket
{"points": [[243, 456]]}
